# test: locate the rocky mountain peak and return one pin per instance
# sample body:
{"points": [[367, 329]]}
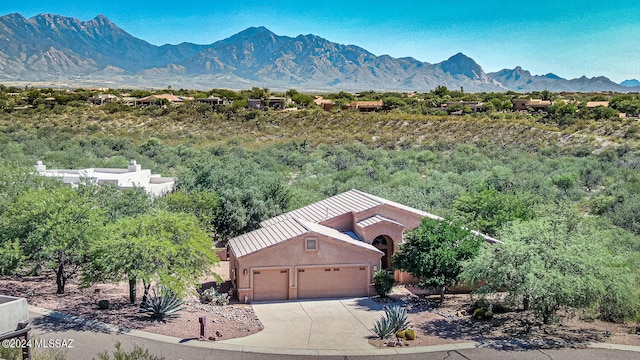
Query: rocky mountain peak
{"points": [[630, 83], [460, 64], [33, 49]]}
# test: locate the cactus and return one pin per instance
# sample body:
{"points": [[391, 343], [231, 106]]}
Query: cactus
{"points": [[162, 306], [410, 334], [401, 334], [211, 296]]}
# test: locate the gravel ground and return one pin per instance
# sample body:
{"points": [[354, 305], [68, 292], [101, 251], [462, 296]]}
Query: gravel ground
{"points": [[451, 322], [223, 322], [435, 324]]}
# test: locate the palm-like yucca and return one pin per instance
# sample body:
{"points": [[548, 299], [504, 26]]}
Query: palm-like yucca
{"points": [[162, 306]]}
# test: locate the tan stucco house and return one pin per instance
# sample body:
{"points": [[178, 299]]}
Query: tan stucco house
{"points": [[330, 248]]}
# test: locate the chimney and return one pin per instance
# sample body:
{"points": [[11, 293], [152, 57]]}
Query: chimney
{"points": [[40, 168], [133, 166]]}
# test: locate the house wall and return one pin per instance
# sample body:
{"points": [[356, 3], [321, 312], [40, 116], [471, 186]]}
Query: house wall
{"points": [[408, 219], [394, 231], [341, 223], [292, 255]]}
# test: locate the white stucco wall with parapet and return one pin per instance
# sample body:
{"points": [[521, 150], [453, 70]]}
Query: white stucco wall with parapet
{"points": [[132, 176]]}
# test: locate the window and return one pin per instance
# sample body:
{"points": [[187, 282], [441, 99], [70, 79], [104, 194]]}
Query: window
{"points": [[311, 244]]}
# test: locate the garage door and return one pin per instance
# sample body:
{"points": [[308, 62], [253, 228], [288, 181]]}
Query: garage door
{"points": [[271, 284], [332, 282]]}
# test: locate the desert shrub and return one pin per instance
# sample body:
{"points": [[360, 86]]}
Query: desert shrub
{"points": [[138, 353], [10, 353], [482, 314], [15, 353], [10, 257], [161, 306], [382, 282], [103, 304], [621, 300]]}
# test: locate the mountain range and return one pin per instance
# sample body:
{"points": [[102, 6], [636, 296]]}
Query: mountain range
{"points": [[68, 52]]}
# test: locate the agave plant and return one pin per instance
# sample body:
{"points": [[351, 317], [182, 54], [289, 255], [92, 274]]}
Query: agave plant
{"points": [[397, 316], [383, 328], [162, 306]]}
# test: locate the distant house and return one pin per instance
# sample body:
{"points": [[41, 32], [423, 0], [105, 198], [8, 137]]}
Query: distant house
{"points": [[475, 106], [326, 104], [366, 106], [212, 100], [526, 104], [254, 103], [132, 176], [273, 102], [102, 99], [592, 104], [156, 99]]}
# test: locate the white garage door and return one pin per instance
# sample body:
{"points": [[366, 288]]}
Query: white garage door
{"points": [[270, 284], [332, 282]]}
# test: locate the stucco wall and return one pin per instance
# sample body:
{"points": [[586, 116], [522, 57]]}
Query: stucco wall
{"points": [[391, 230], [408, 219], [343, 222], [292, 255]]}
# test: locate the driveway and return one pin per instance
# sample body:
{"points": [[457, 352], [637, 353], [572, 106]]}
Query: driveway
{"points": [[314, 324]]}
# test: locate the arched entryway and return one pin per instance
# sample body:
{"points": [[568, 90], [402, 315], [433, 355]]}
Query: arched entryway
{"points": [[384, 244]]}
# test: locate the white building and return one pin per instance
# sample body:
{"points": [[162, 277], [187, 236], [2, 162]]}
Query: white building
{"points": [[133, 176]]}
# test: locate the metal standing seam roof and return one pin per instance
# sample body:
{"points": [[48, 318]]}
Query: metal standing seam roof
{"points": [[375, 219], [346, 202], [333, 233], [306, 219], [265, 237]]}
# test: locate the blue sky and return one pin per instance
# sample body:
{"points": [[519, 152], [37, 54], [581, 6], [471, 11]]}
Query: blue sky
{"points": [[568, 38]]}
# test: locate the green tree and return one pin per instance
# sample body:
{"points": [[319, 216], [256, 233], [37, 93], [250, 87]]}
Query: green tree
{"points": [[562, 113], [487, 210], [299, 98], [391, 103], [55, 228], [552, 262], [434, 252], [441, 90], [205, 205], [159, 247], [117, 203], [565, 182]]}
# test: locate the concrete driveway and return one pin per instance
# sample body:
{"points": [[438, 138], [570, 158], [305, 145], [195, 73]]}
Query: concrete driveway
{"points": [[314, 324]]}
